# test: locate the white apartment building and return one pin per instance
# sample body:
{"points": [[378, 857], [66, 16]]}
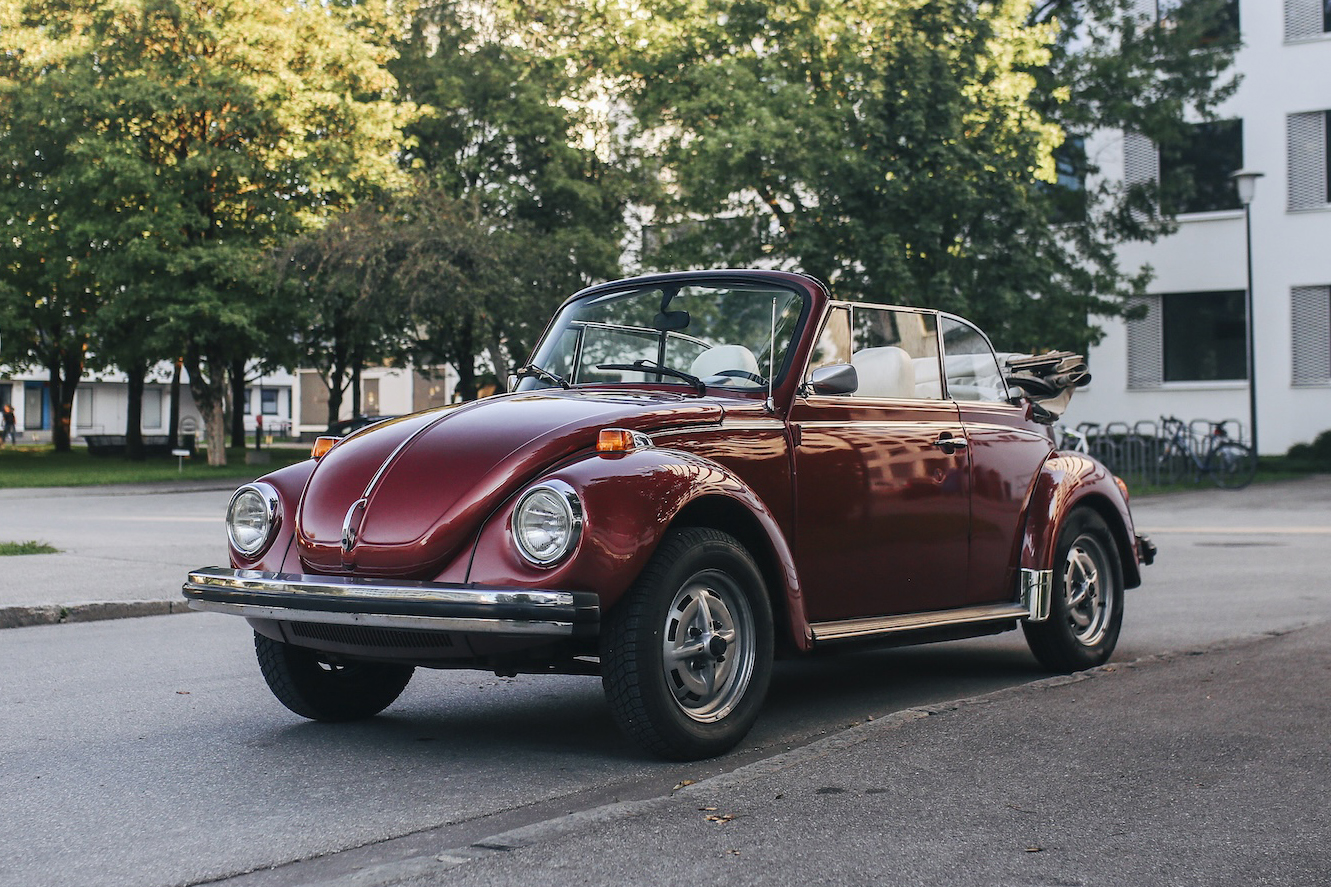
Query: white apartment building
{"points": [[1187, 357]]}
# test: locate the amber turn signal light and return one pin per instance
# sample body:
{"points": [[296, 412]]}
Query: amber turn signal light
{"points": [[615, 440], [322, 445], [1122, 487]]}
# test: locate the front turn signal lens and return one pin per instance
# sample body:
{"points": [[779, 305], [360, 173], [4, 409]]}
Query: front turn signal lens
{"points": [[1122, 487], [621, 440], [322, 445]]}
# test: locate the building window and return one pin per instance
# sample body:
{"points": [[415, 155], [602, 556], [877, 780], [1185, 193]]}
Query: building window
{"points": [[1194, 174], [1205, 336], [83, 407], [1307, 19], [1309, 159], [1188, 337], [268, 401], [152, 408], [1068, 193], [1310, 316]]}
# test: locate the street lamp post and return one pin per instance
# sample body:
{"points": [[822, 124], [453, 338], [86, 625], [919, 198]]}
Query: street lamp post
{"points": [[1245, 180]]}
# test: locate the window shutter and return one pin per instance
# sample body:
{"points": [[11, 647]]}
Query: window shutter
{"points": [[1311, 335], [1307, 160], [1146, 358], [1303, 19]]}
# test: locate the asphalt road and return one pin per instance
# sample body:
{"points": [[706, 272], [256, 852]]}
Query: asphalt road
{"points": [[149, 752]]}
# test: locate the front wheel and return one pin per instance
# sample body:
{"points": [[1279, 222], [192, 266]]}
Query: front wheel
{"points": [[315, 687], [1086, 610], [1233, 465], [686, 656]]}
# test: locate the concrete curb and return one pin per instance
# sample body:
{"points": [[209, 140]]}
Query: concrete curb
{"points": [[90, 611]]}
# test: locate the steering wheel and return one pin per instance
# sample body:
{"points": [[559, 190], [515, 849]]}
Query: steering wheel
{"points": [[742, 374]]}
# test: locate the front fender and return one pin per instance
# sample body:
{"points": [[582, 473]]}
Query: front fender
{"points": [[290, 484], [629, 501], [1067, 481]]}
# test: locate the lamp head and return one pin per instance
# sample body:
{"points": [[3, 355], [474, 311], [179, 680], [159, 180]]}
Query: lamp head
{"points": [[1245, 180]]}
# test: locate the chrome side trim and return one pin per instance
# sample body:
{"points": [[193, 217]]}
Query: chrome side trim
{"points": [[1037, 590], [880, 625]]}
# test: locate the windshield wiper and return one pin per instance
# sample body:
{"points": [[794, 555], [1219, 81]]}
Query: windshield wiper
{"points": [[651, 366], [532, 369]]}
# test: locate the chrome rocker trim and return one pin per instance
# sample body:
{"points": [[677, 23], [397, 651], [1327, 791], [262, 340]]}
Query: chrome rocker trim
{"points": [[1036, 591], [438, 606]]}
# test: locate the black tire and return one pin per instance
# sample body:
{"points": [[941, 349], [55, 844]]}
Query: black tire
{"points": [[1086, 610], [686, 656], [311, 686], [1232, 465]]}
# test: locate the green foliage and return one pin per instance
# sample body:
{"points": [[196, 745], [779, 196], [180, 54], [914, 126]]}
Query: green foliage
{"points": [[29, 547], [188, 139], [1316, 455], [900, 149]]}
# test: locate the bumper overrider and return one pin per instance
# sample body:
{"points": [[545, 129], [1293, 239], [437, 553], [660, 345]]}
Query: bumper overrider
{"points": [[471, 609]]}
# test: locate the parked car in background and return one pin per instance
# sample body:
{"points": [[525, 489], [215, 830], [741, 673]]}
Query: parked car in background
{"points": [[696, 473], [343, 427]]}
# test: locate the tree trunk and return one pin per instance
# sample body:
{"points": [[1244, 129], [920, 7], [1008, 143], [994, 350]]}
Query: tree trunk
{"points": [[237, 377], [500, 362], [64, 371], [173, 423], [210, 395], [134, 450]]}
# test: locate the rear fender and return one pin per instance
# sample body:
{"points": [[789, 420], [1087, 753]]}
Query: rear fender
{"points": [[629, 500], [1068, 481]]}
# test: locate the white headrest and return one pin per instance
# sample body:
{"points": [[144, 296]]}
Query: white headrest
{"points": [[884, 372], [724, 357]]}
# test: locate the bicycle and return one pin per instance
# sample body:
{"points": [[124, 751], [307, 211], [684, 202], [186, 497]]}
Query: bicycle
{"points": [[1229, 463]]}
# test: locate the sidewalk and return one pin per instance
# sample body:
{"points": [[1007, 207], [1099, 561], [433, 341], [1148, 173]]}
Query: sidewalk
{"points": [[124, 550]]}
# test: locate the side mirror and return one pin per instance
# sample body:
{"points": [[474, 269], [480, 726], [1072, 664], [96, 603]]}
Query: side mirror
{"points": [[839, 378]]}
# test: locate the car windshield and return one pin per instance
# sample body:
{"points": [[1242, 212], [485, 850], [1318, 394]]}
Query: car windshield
{"points": [[723, 335]]}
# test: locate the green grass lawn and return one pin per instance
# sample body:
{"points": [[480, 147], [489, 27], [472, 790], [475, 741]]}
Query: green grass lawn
{"points": [[41, 466]]}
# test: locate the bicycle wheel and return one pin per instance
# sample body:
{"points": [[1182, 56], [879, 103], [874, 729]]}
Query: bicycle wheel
{"points": [[1174, 467], [1232, 465]]}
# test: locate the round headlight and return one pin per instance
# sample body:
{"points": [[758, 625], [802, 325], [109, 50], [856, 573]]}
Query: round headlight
{"points": [[547, 522], [251, 518]]}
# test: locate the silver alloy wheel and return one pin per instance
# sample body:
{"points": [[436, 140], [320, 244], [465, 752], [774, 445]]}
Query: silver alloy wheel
{"points": [[1088, 589], [708, 646]]}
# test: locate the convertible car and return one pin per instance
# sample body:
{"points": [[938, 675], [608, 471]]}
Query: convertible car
{"points": [[695, 473]]}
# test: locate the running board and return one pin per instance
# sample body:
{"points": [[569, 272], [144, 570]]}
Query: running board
{"points": [[1035, 588], [877, 625]]}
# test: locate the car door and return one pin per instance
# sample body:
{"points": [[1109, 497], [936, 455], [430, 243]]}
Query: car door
{"points": [[1006, 451], [881, 497]]}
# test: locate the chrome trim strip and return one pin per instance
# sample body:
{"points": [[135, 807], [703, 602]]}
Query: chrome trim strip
{"points": [[1037, 591], [379, 620], [880, 625], [392, 604]]}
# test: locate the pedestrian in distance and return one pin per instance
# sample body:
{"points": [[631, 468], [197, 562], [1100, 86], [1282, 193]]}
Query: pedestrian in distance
{"points": [[10, 428]]}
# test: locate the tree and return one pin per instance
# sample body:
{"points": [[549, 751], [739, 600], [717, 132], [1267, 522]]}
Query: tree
{"points": [[210, 133], [902, 150], [508, 145]]}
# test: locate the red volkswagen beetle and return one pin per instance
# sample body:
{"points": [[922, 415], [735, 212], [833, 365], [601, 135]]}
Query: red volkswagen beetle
{"points": [[695, 473]]}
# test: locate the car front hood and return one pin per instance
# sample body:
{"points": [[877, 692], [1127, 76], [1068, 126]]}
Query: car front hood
{"points": [[403, 497]]}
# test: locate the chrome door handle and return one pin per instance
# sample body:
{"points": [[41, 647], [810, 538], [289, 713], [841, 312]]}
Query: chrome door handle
{"points": [[949, 444]]}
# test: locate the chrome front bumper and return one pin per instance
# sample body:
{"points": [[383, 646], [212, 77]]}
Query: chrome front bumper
{"points": [[290, 597]]}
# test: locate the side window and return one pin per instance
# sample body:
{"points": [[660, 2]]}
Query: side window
{"points": [[896, 353], [833, 345], [971, 368]]}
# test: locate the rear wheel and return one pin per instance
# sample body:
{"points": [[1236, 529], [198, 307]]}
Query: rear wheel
{"points": [[1086, 610], [1233, 465], [687, 655], [314, 687]]}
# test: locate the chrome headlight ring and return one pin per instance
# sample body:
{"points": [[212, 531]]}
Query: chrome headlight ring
{"points": [[547, 523], [252, 518]]}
